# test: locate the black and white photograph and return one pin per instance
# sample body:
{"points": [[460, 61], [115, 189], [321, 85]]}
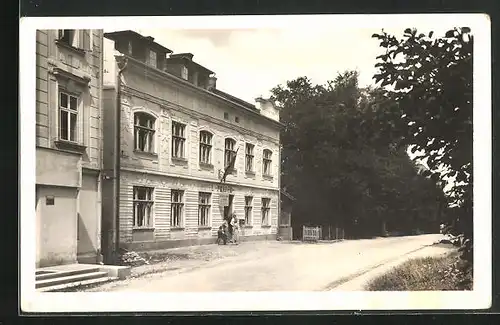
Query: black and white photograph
{"points": [[255, 163]]}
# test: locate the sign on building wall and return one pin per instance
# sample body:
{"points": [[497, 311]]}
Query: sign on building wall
{"points": [[223, 199]]}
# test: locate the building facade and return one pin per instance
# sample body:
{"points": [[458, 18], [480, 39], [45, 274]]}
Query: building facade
{"points": [[68, 146], [178, 133]]}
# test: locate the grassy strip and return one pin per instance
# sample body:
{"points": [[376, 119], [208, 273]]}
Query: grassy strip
{"points": [[424, 274]]}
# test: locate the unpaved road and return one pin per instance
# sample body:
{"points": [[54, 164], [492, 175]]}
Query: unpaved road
{"points": [[278, 266]]}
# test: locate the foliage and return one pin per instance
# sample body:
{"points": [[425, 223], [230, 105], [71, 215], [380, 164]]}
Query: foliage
{"points": [[431, 81], [427, 273], [342, 165]]}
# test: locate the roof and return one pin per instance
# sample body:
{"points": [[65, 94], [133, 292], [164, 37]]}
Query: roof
{"points": [[130, 33], [235, 99], [188, 57]]}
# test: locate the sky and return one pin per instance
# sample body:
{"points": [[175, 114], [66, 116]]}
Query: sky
{"points": [[249, 62]]}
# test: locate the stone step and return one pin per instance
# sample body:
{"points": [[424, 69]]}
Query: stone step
{"points": [[69, 279], [62, 287], [45, 275]]}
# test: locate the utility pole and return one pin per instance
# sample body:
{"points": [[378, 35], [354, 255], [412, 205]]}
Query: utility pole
{"points": [[117, 156]]}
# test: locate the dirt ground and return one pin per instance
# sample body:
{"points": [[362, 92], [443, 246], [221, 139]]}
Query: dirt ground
{"points": [[264, 266]]}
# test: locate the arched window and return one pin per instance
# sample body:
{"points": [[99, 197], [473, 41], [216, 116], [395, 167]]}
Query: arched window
{"points": [[205, 147], [266, 162], [229, 151], [144, 131]]}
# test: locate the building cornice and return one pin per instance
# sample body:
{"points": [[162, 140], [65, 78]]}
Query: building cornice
{"points": [[126, 90], [192, 178], [163, 76]]}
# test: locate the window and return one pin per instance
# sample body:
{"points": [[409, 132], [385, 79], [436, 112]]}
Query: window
{"points": [[267, 162], [177, 207], [248, 210], [68, 36], [184, 73], [237, 119], [76, 38], [265, 211], [144, 131], [204, 209], [152, 58], [143, 207], [205, 147], [226, 116], [178, 139], [68, 117], [229, 152], [249, 157]]}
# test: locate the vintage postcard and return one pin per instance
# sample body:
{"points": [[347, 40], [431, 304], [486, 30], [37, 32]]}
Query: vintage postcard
{"points": [[255, 163]]}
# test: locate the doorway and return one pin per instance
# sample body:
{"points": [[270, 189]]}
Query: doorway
{"points": [[228, 209]]}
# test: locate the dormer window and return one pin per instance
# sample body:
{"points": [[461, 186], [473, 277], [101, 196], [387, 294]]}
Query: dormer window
{"points": [[152, 58], [184, 73]]}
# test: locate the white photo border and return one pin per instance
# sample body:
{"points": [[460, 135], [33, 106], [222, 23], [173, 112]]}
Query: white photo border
{"points": [[479, 298]]}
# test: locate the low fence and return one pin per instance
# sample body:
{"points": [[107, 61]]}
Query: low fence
{"points": [[322, 233], [311, 233]]}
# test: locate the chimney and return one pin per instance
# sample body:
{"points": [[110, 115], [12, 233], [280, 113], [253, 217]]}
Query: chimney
{"points": [[212, 82]]}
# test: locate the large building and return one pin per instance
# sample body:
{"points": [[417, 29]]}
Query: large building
{"points": [[178, 133], [68, 146]]}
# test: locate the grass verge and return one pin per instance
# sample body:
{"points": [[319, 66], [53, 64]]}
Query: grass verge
{"points": [[425, 274]]}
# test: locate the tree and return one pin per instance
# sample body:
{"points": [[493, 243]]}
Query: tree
{"points": [[431, 80], [339, 162]]}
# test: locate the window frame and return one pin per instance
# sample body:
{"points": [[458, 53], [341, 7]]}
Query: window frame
{"points": [[76, 112], [248, 208], [205, 145], [249, 157], [152, 58], [267, 161], [204, 207], [184, 72], [177, 204], [180, 139], [266, 211], [229, 153], [148, 202], [150, 131]]}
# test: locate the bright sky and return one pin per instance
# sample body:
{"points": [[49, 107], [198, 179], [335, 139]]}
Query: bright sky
{"points": [[249, 62]]}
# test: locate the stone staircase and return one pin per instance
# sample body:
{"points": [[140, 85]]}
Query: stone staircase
{"points": [[63, 277]]}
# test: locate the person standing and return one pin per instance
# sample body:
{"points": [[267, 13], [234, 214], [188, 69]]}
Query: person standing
{"points": [[235, 226]]}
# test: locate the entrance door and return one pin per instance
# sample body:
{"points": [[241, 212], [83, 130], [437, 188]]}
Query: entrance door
{"points": [[87, 219], [228, 209]]}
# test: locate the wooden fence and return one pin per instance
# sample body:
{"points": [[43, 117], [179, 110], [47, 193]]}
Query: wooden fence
{"points": [[322, 233]]}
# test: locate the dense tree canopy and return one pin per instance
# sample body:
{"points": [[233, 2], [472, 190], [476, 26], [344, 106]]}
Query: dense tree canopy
{"points": [[430, 78], [343, 165]]}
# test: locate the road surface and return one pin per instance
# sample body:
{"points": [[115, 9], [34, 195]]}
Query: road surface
{"points": [[283, 267]]}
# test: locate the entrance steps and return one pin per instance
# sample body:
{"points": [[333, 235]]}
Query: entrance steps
{"points": [[62, 277]]}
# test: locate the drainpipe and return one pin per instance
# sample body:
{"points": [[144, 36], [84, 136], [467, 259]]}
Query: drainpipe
{"points": [[117, 149], [279, 189]]}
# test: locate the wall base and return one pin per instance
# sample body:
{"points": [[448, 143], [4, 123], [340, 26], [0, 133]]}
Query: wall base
{"points": [[166, 244]]}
